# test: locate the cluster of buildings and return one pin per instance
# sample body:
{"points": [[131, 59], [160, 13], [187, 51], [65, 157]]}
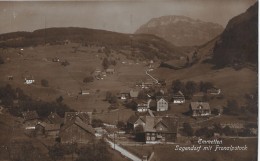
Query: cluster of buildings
{"points": [[75, 127]]}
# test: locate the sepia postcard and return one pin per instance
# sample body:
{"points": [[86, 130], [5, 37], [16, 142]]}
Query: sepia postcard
{"points": [[142, 80]]}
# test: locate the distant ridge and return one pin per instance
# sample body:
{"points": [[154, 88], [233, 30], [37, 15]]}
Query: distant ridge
{"points": [[181, 30], [142, 45]]}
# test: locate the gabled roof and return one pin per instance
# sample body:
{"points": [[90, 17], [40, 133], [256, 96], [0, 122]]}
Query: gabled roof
{"points": [[71, 116], [54, 118], [134, 94], [199, 105], [170, 123], [49, 127], [161, 99], [134, 118], [78, 122], [178, 94], [30, 115]]}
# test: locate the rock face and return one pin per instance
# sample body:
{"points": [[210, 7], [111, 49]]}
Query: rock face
{"points": [[238, 44], [181, 30]]}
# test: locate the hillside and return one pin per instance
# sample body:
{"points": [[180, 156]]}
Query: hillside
{"points": [[181, 30], [238, 43], [142, 46]]}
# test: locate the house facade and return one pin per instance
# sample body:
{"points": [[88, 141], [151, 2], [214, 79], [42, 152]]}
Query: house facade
{"points": [[178, 98], [142, 106], [76, 131], [162, 105], [200, 109], [158, 129], [29, 80]]}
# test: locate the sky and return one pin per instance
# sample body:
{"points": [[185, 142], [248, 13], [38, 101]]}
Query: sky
{"points": [[120, 16]]}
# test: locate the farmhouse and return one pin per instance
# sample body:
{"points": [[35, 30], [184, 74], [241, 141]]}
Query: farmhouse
{"points": [[84, 92], [54, 118], [160, 129], [142, 105], [76, 131], [156, 129], [214, 91], [200, 108], [43, 128], [124, 95], [110, 71], [162, 104], [178, 97], [29, 80], [31, 118]]}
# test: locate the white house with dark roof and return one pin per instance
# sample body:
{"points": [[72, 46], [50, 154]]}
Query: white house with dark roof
{"points": [[162, 104]]}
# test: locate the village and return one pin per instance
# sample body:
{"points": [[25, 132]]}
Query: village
{"points": [[159, 111]]}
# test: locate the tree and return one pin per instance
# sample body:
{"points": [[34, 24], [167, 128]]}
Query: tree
{"points": [[88, 79], [44, 83], [121, 125], [204, 86], [59, 99], [232, 108], [105, 63], [187, 129], [65, 63], [2, 60], [191, 88], [56, 152], [177, 85], [96, 151]]}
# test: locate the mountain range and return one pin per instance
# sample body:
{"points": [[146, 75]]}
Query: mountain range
{"points": [[181, 30]]}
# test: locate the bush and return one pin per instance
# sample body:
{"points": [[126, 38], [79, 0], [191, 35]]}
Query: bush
{"points": [[2, 60], [88, 79], [187, 129], [97, 123], [65, 63], [44, 83]]}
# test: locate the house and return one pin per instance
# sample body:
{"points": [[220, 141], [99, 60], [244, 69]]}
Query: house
{"points": [[124, 95], [214, 91], [43, 128], [76, 131], [110, 71], [54, 118], [178, 97], [160, 129], [84, 92], [162, 104], [134, 94], [30, 119], [85, 117], [10, 77], [200, 108], [147, 84], [142, 105], [156, 129], [56, 59], [29, 80]]}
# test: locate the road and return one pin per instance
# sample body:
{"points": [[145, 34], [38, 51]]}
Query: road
{"points": [[123, 151], [146, 72]]}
